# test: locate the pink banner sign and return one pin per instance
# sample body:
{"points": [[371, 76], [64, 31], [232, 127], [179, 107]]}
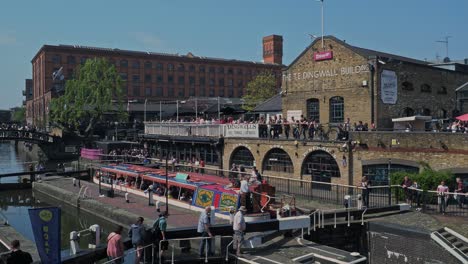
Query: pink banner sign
{"points": [[325, 55]]}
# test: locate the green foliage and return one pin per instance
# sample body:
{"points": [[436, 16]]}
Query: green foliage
{"points": [[19, 115], [259, 89], [428, 179], [88, 97]]}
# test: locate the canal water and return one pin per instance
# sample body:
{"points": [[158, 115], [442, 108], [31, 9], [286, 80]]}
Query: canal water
{"points": [[14, 205]]}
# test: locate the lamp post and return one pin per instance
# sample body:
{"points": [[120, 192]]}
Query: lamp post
{"points": [[116, 124], [177, 109], [219, 110], [389, 183], [144, 115], [160, 111], [196, 108], [167, 183]]}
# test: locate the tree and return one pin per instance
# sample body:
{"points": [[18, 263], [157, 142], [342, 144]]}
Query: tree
{"points": [[88, 97], [259, 89], [19, 114]]}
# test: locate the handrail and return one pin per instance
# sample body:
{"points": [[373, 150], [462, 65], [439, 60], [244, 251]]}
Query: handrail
{"points": [[132, 251], [362, 216], [189, 238], [227, 249]]}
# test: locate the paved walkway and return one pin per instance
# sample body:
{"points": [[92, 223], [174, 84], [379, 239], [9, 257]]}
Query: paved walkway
{"points": [[178, 217]]}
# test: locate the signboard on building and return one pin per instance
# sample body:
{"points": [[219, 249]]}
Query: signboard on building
{"points": [[324, 55], [389, 87], [241, 130], [294, 113]]}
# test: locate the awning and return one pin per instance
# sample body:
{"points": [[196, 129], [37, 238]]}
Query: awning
{"points": [[462, 117]]}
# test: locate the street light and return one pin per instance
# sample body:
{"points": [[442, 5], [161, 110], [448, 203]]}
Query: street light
{"points": [[144, 116], [389, 184], [116, 124]]}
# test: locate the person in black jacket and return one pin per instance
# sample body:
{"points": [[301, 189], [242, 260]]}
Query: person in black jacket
{"points": [[17, 256]]}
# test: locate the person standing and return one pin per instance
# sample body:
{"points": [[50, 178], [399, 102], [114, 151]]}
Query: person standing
{"points": [[406, 184], [442, 193], [245, 192], [159, 231], [17, 256], [204, 225], [239, 228], [136, 233], [459, 191], [365, 184], [115, 246]]}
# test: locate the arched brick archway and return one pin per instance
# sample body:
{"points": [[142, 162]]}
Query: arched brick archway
{"points": [[277, 160], [242, 156], [320, 166]]}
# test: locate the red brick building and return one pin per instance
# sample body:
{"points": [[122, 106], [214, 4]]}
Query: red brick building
{"points": [[149, 75]]}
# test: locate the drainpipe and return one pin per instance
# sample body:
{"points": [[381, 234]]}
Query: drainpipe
{"points": [[372, 71]]}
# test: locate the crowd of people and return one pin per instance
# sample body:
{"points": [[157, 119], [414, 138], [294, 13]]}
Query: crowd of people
{"points": [[413, 195]]}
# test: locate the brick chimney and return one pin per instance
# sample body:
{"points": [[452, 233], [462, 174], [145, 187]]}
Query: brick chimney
{"points": [[273, 49]]}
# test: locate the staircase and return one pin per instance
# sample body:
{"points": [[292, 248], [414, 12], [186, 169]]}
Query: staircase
{"points": [[453, 242]]}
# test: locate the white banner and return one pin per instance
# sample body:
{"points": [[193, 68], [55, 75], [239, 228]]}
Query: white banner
{"points": [[241, 130], [294, 113], [388, 87]]}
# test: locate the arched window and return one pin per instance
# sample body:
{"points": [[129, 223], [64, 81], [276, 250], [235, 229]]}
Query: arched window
{"points": [[220, 70], [71, 59], [407, 111], [336, 109], [320, 166], [313, 109], [191, 68], [123, 63], [136, 65], [56, 59], [170, 67], [278, 160], [425, 88], [148, 65], [242, 156]]}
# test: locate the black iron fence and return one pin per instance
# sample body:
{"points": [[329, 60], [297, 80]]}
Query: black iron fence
{"points": [[348, 195]]}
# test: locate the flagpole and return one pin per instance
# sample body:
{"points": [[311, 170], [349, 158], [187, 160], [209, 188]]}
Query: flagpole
{"points": [[323, 46]]}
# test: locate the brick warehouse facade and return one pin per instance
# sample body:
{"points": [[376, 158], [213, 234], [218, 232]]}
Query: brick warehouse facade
{"points": [[152, 76], [339, 81], [370, 155]]}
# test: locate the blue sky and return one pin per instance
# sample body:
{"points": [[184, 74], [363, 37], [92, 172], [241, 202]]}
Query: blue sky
{"points": [[217, 28]]}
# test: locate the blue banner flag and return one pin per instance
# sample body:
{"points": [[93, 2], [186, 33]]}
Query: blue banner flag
{"points": [[45, 224]]}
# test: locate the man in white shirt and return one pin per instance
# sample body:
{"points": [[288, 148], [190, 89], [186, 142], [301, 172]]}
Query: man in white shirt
{"points": [[245, 192], [239, 227]]}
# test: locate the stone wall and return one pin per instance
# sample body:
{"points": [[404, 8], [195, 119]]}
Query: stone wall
{"points": [[442, 151]]}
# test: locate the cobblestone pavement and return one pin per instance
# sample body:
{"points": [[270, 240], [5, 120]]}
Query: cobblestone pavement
{"points": [[178, 217]]}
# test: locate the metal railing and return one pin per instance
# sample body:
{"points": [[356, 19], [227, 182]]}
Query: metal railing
{"points": [[134, 251], [333, 193], [184, 129], [202, 240]]}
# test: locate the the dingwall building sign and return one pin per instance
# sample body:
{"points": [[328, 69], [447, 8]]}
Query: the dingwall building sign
{"points": [[326, 73]]}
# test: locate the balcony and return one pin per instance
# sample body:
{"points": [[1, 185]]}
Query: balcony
{"points": [[202, 130]]}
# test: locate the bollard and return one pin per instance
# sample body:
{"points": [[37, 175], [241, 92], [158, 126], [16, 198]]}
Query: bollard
{"points": [[74, 245], [126, 197], [95, 236], [74, 182]]}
